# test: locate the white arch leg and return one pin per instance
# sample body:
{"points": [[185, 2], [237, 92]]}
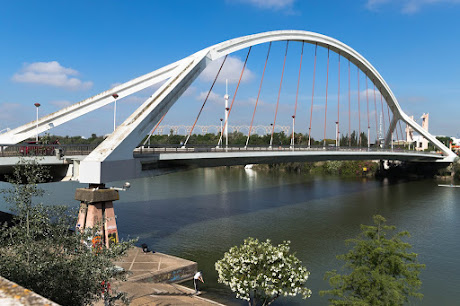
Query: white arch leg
{"points": [[113, 158], [391, 129], [450, 156]]}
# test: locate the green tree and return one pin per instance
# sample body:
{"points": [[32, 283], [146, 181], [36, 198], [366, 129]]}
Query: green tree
{"points": [[444, 139], [260, 272], [39, 252], [381, 270]]}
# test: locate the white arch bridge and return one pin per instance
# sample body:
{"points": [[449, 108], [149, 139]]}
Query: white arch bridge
{"points": [[117, 158]]}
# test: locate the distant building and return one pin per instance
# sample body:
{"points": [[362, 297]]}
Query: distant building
{"points": [[455, 144], [455, 141], [421, 143]]}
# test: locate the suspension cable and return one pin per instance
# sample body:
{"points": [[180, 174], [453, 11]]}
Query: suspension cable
{"points": [[312, 95], [234, 96], [279, 93], [325, 108], [368, 122], [153, 130], [359, 111], [258, 94], [383, 113], [349, 107], [376, 121], [206, 99], [296, 96], [400, 129], [338, 109], [389, 122]]}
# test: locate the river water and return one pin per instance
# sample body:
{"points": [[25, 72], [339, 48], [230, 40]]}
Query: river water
{"points": [[200, 214]]}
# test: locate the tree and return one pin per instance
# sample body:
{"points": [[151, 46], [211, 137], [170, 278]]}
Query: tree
{"points": [[39, 252], [260, 272], [445, 140], [381, 270]]}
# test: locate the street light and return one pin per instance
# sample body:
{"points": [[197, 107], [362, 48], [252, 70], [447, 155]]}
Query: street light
{"points": [[368, 137], [226, 112], [293, 123], [226, 125], [125, 187], [336, 134], [115, 96], [221, 132], [37, 105], [271, 138]]}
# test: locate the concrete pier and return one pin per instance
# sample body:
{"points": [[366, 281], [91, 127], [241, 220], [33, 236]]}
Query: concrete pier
{"points": [[96, 209]]}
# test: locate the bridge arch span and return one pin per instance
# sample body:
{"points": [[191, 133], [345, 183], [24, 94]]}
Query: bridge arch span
{"points": [[177, 77], [159, 103]]}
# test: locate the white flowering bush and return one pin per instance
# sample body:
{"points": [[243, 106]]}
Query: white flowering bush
{"points": [[260, 272]]}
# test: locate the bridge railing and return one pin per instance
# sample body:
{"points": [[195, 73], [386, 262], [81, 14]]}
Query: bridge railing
{"points": [[204, 148], [84, 149], [45, 149]]}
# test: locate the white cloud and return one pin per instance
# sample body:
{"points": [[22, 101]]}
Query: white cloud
{"points": [[231, 71], [413, 99], [370, 94], [135, 99], [374, 4], [213, 97], [407, 6], [115, 84], [10, 112], [190, 91], [61, 103], [52, 74], [269, 4], [252, 102]]}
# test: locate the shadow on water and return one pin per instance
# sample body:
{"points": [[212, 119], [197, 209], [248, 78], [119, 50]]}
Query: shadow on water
{"points": [[166, 216]]}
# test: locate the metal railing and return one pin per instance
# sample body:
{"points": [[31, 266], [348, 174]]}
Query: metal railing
{"points": [[85, 149], [45, 149], [205, 148]]}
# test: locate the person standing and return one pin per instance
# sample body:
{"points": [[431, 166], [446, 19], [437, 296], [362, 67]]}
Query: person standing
{"points": [[198, 277]]}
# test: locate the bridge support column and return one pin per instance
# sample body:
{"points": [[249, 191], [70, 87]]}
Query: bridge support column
{"points": [[96, 209]]}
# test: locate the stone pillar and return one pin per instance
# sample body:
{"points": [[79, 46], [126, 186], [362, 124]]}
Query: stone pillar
{"points": [[96, 208]]}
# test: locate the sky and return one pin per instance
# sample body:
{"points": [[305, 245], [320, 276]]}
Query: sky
{"points": [[57, 53]]}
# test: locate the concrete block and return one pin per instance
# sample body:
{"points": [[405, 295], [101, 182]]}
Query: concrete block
{"points": [[96, 195]]}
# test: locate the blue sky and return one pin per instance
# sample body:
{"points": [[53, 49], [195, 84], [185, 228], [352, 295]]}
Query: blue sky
{"points": [[60, 52]]}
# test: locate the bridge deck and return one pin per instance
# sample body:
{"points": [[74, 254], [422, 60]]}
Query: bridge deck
{"points": [[211, 157], [157, 161]]}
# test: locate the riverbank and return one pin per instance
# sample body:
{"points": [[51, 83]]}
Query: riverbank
{"points": [[153, 279], [341, 168], [395, 169]]}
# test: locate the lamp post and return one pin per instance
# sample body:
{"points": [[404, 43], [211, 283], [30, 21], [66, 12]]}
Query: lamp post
{"points": [[115, 96], [336, 134], [226, 125], [368, 137], [392, 141], [220, 142], [293, 124], [271, 138], [226, 113], [37, 105]]}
